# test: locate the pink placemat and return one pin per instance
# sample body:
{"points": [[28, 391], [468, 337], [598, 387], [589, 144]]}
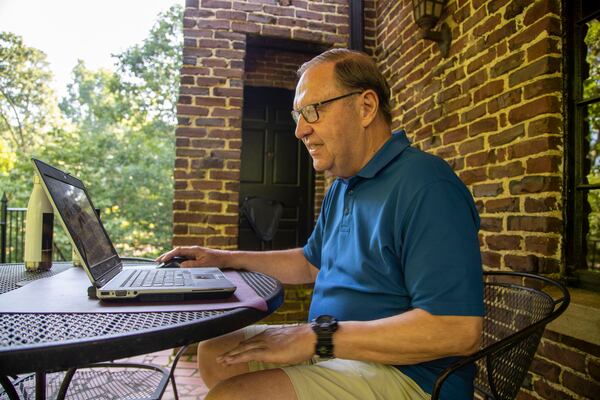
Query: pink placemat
{"points": [[67, 293]]}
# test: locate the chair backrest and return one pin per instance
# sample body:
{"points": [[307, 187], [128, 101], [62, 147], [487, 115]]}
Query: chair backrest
{"points": [[517, 312], [263, 216]]}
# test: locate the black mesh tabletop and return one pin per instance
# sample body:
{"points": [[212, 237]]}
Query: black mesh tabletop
{"points": [[52, 342]]}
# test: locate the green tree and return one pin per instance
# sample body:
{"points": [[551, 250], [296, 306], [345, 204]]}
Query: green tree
{"points": [[27, 104], [118, 137]]}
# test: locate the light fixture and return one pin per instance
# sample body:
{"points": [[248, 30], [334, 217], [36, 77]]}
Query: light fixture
{"points": [[427, 13]]}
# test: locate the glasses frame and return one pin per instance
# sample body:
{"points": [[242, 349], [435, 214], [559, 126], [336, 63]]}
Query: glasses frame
{"points": [[312, 109]]}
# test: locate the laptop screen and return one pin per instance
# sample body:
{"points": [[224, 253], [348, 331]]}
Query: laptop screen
{"points": [[83, 224]]}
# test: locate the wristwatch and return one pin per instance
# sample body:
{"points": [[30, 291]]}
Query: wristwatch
{"points": [[324, 326]]}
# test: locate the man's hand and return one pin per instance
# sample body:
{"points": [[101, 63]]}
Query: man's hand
{"points": [[198, 256], [287, 345]]}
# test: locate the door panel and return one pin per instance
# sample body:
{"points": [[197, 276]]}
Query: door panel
{"points": [[276, 166]]}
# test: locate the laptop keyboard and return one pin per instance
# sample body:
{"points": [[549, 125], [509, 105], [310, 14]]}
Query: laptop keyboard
{"points": [[156, 278]]}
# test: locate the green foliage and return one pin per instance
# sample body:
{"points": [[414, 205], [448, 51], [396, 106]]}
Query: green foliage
{"points": [[27, 103], [118, 137]]}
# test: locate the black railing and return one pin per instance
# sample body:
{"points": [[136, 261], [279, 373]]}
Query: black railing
{"points": [[12, 234]]}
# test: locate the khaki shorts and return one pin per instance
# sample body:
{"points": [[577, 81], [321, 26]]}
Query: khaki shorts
{"points": [[338, 379]]}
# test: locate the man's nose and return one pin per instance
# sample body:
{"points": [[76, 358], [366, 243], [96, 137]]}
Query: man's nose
{"points": [[303, 128]]}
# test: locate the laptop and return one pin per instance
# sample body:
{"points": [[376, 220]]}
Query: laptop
{"points": [[103, 265]]}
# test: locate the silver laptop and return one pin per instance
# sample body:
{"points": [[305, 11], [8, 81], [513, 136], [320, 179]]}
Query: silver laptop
{"points": [[101, 262]]}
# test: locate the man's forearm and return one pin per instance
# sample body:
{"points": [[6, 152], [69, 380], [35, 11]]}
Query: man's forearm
{"points": [[289, 266], [412, 337]]}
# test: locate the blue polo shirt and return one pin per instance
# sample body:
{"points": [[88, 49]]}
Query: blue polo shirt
{"points": [[399, 235]]}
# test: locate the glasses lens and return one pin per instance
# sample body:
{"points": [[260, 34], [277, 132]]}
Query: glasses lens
{"points": [[310, 114]]}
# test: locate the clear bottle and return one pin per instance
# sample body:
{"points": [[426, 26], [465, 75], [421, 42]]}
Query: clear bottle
{"points": [[39, 225]]}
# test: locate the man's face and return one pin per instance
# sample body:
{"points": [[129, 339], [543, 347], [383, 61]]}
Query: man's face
{"points": [[333, 141]]}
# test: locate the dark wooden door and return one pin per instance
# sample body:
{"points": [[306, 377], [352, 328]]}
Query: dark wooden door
{"points": [[275, 165]]}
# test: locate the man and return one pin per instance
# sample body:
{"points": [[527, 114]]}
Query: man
{"points": [[394, 257]]}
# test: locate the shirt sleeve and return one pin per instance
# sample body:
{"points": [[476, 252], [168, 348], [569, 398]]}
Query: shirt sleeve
{"points": [[440, 251]]}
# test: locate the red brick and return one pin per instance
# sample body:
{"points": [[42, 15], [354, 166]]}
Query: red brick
{"points": [[481, 159], [507, 136], [474, 80], [473, 175], [504, 101], [580, 385], [505, 31], [527, 263], [542, 48], [491, 259], [541, 244], [502, 205], [534, 146], [543, 164], [545, 125], [473, 114], [535, 184], [507, 64], [534, 224], [455, 135], [491, 224], [544, 105], [482, 60], [471, 146], [541, 87], [503, 242], [549, 24], [541, 9], [488, 90], [488, 190], [543, 66], [540, 205], [482, 126], [514, 168]]}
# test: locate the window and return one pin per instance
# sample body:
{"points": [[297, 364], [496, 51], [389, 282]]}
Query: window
{"points": [[582, 67]]}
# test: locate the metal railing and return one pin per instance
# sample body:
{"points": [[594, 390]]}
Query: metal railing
{"points": [[12, 234]]}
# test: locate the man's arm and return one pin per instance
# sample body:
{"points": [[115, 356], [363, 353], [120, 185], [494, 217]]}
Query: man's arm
{"points": [[289, 266], [412, 337]]}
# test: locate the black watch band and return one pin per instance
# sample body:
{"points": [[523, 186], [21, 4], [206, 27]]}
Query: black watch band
{"points": [[324, 326]]}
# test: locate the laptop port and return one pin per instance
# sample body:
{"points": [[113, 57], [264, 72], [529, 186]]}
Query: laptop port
{"points": [[120, 293], [105, 293]]}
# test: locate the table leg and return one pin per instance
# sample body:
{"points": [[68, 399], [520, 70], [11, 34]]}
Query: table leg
{"points": [[40, 386], [9, 389]]}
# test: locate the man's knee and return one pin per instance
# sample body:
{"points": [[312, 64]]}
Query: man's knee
{"points": [[272, 384], [208, 350]]}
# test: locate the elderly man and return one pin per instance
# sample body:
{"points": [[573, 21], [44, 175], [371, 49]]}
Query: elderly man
{"points": [[394, 258]]}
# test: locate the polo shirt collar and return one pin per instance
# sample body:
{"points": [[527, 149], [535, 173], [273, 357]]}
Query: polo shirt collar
{"points": [[394, 146]]}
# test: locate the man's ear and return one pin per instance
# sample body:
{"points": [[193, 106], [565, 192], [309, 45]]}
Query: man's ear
{"points": [[368, 107]]}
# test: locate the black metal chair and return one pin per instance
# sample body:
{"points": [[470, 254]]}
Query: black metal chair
{"points": [[517, 312], [263, 215]]}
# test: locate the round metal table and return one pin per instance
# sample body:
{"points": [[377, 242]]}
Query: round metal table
{"points": [[52, 342]]}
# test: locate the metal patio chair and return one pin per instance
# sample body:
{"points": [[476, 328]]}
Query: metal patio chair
{"points": [[517, 312]]}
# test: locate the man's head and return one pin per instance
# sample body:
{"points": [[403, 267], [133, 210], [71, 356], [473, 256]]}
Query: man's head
{"points": [[355, 71], [342, 110]]}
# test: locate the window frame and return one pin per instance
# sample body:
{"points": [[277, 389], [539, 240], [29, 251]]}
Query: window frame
{"points": [[576, 146]]}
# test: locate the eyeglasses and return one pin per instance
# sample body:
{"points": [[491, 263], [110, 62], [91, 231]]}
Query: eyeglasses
{"points": [[310, 113]]}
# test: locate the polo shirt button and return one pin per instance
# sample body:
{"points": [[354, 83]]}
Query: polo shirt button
{"points": [[346, 211], [351, 192]]}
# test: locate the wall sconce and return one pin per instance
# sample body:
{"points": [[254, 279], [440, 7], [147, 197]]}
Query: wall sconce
{"points": [[427, 13]]}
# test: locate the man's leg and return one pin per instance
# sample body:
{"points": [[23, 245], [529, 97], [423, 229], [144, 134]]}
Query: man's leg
{"points": [[271, 384], [208, 350]]}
